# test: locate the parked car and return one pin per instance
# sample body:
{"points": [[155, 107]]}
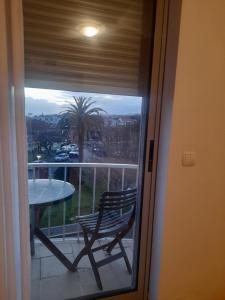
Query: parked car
{"points": [[66, 148], [74, 154], [58, 151], [61, 151], [74, 147], [61, 157], [39, 161]]}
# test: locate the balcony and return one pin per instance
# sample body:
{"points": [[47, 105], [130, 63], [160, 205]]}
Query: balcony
{"points": [[49, 278]]}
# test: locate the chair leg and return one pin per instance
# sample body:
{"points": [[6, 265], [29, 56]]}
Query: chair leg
{"points": [[114, 242], [87, 251], [84, 251], [95, 269], [125, 257], [112, 245], [119, 237], [92, 260], [79, 256]]}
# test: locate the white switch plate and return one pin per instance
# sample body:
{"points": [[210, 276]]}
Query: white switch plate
{"points": [[188, 158]]}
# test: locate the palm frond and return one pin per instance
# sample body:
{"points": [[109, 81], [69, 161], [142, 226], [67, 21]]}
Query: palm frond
{"points": [[95, 110]]}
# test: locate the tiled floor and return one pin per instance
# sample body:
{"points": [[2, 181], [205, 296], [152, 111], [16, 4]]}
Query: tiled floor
{"points": [[51, 280]]}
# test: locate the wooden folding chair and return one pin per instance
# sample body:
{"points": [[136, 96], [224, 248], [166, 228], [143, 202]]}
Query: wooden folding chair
{"points": [[108, 222]]}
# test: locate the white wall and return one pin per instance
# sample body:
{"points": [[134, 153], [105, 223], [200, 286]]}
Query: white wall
{"points": [[189, 241]]}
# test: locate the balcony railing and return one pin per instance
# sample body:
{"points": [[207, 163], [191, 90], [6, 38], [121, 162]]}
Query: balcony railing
{"points": [[62, 229]]}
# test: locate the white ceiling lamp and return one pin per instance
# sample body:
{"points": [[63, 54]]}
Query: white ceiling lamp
{"points": [[89, 31]]}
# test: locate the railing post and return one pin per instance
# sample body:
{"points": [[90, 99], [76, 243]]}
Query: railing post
{"points": [[123, 176], [79, 197], [94, 191], [79, 190], [49, 173], [134, 225], [64, 207], [49, 221], [33, 173], [122, 186], [49, 208], [65, 173], [64, 220], [137, 177], [108, 178]]}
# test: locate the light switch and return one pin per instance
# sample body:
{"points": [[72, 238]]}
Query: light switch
{"points": [[188, 158]]}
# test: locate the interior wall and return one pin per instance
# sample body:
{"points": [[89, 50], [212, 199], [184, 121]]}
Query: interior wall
{"points": [[188, 259]]}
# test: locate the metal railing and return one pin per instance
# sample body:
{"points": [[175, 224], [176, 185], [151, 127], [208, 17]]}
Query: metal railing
{"points": [[67, 229]]}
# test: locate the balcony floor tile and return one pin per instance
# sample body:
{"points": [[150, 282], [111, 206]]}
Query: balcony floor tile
{"points": [[51, 267], [35, 292], [36, 269], [61, 287], [64, 247]]}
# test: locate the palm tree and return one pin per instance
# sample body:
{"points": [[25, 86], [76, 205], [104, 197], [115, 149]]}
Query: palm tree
{"points": [[81, 117]]}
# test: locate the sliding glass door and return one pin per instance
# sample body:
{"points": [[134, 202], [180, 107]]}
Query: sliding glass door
{"points": [[90, 112]]}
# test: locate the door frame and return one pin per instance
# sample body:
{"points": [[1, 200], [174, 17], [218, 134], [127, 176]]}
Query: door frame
{"points": [[13, 39], [14, 229]]}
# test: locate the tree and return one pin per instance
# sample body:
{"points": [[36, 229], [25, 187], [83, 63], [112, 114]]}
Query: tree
{"points": [[81, 117], [41, 134]]}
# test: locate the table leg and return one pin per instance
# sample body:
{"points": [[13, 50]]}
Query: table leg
{"points": [[36, 215], [32, 226], [46, 241], [35, 219]]}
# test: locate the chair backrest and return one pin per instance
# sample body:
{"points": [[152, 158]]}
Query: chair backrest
{"points": [[118, 200], [110, 206]]}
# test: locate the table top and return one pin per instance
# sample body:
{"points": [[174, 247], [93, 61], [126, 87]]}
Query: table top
{"points": [[48, 191]]}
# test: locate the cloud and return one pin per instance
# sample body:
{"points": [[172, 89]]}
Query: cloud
{"points": [[45, 101], [41, 106]]}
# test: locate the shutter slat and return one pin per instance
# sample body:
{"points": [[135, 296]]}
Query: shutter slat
{"points": [[56, 54]]}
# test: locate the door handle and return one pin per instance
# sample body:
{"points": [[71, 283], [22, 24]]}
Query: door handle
{"points": [[151, 155]]}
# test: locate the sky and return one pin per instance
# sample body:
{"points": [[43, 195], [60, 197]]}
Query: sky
{"points": [[46, 101]]}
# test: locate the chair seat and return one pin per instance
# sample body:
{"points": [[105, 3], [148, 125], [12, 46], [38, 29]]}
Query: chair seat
{"points": [[111, 222]]}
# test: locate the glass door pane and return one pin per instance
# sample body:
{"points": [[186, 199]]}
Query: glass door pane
{"points": [[87, 66]]}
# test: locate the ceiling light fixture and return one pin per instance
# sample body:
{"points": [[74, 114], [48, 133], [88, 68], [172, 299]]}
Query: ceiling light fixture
{"points": [[89, 31]]}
